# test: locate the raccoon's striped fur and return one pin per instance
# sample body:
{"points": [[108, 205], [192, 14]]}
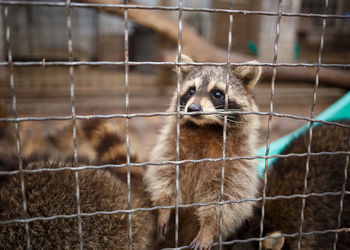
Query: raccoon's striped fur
{"points": [[109, 145], [286, 177], [202, 89], [54, 193]]}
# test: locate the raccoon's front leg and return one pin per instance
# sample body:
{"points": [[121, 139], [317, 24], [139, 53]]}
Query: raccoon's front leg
{"points": [[233, 214], [161, 187], [163, 216], [163, 223], [209, 225]]}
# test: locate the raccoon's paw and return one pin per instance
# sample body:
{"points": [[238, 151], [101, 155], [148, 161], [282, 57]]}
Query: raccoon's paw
{"points": [[163, 221], [162, 231], [274, 243], [202, 242]]}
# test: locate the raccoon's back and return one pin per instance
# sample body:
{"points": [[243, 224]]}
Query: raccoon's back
{"points": [[326, 174], [54, 193]]}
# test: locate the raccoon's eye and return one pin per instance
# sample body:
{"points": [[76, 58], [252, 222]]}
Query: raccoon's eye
{"points": [[191, 90], [218, 94]]}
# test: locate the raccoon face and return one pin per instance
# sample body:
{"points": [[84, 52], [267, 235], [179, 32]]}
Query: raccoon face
{"points": [[203, 90]]}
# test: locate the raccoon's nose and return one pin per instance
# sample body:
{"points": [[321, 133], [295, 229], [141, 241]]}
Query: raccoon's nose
{"points": [[194, 108]]}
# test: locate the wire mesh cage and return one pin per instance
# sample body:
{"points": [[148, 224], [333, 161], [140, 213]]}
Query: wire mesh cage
{"points": [[64, 63]]}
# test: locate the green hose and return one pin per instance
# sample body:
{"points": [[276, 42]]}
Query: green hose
{"points": [[340, 110]]}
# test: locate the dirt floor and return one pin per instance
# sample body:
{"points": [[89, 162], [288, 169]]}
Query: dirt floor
{"points": [[99, 90]]}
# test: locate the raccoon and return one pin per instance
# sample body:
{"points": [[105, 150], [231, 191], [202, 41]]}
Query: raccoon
{"points": [[54, 193], [286, 177], [203, 89]]}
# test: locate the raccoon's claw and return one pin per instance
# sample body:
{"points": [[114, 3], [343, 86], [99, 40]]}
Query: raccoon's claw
{"points": [[163, 221], [198, 245], [162, 230]]}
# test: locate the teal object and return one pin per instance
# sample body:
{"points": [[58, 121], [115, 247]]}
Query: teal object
{"points": [[297, 51], [340, 110], [253, 47]]}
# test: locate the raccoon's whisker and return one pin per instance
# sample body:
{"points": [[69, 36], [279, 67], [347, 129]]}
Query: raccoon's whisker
{"points": [[228, 119], [228, 110], [233, 121], [219, 106], [222, 107]]}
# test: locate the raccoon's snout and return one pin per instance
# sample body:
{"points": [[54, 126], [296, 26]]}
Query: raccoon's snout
{"points": [[194, 108]]}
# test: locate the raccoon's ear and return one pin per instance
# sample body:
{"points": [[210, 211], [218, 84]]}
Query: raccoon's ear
{"points": [[249, 75], [187, 68]]}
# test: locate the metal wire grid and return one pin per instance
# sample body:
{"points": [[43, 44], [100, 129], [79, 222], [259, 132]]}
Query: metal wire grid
{"points": [[229, 47], [178, 126], [16, 120], [311, 124], [72, 95], [18, 143], [269, 128], [140, 6], [126, 57]]}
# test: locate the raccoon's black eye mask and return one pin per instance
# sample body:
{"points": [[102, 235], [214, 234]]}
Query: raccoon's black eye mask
{"points": [[185, 97]]}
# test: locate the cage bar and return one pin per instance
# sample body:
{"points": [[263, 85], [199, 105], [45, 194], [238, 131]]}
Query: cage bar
{"points": [[74, 132], [18, 139], [269, 128], [187, 9], [319, 59], [229, 47], [177, 174]]}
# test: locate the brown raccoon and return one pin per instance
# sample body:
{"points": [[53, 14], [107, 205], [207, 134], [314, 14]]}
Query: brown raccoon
{"points": [[326, 174], [203, 89], [53, 193]]}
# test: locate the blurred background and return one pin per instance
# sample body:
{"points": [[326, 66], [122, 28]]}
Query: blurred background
{"points": [[39, 33]]}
